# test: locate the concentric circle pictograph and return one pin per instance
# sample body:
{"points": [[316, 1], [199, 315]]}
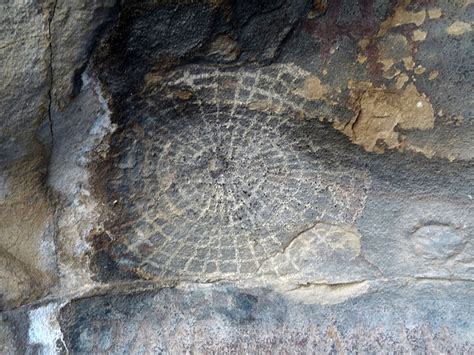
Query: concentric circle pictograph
{"points": [[212, 187]]}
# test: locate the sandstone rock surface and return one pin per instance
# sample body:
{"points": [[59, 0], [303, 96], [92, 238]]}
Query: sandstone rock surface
{"points": [[286, 176]]}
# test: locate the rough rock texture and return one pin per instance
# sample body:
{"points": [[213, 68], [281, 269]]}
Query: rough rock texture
{"points": [[282, 176], [218, 318], [26, 214], [76, 29]]}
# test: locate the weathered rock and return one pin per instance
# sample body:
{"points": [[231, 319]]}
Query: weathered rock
{"points": [[236, 176], [25, 75], [387, 47], [18, 282], [79, 131], [44, 48], [7, 338], [247, 180], [325, 255], [26, 242], [76, 30], [402, 317]]}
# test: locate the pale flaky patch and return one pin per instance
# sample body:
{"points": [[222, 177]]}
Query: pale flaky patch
{"points": [[304, 269], [361, 59], [434, 13], [419, 35], [328, 294], [419, 70], [433, 75], [380, 111], [402, 17], [459, 28], [393, 49], [401, 80], [313, 89]]}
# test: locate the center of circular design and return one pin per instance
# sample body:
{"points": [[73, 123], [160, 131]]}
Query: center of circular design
{"points": [[218, 166]]}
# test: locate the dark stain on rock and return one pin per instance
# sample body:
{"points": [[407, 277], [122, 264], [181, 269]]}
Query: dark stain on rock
{"points": [[102, 261], [356, 19], [150, 37]]}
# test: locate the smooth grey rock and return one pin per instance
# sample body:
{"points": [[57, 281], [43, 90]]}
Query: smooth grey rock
{"points": [[437, 241], [417, 237]]}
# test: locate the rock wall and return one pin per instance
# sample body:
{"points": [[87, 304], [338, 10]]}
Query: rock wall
{"points": [[236, 176]]}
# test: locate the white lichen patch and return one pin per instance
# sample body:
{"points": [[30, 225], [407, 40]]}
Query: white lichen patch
{"points": [[44, 329]]}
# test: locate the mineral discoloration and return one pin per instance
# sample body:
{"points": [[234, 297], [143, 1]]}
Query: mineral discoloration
{"points": [[201, 177], [402, 17], [379, 112], [226, 319], [389, 58], [86, 123], [313, 89], [19, 283], [459, 28]]}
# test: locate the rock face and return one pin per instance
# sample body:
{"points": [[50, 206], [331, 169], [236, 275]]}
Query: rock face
{"points": [[236, 176]]}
